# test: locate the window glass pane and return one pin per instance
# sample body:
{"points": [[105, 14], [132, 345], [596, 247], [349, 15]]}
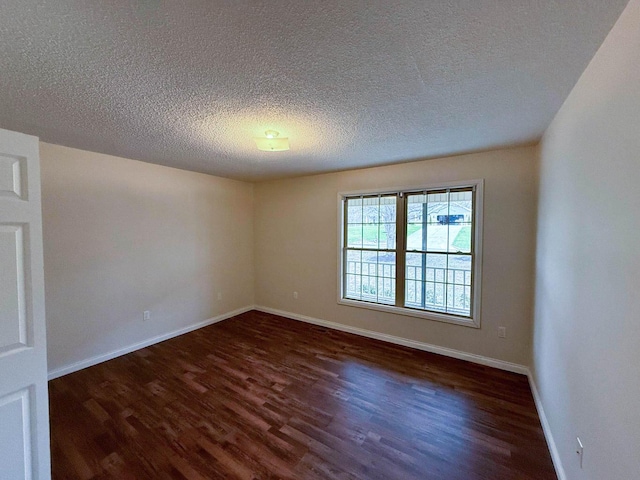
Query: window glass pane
{"points": [[370, 235], [387, 235], [353, 277], [371, 219], [387, 278], [354, 287], [437, 222], [460, 221], [369, 263], [354, 257], [354, 235], [354, 222], [415, 232], [440, 221], [413, 280], [354, 210], [424, 281], [370, 276], [435, 279], [438, 282], [371, 222], [428, 218], [459, 285], [371, 210]]}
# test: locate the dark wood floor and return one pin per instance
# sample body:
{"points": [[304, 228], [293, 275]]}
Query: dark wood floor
{"points": [[263, 397]]}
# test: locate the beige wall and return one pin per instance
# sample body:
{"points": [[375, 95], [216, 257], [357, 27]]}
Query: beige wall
{"points": [[296, 249], [587, 321], [122, 236]]}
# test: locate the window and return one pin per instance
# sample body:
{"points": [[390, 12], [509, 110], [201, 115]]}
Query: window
{"points": [[414, 251]]}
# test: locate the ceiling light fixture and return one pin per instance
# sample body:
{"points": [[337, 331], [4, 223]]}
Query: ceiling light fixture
{"points": [[272, 143]]}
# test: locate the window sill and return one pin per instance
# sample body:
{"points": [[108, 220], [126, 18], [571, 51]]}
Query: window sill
{"points": [[410, 312]]}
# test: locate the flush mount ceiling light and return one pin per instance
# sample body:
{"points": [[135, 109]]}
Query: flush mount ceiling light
{"points": [[271, 142]]}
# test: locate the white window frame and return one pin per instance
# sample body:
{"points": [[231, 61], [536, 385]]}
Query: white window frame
{"points": [[472, 321]]}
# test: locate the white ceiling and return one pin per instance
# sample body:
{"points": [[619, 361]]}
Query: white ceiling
{"points": [[351, 83]]}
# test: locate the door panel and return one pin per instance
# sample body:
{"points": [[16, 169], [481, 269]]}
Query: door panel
{"points": [[24, 412], [13, 177], [15, 444], [13, 328]]}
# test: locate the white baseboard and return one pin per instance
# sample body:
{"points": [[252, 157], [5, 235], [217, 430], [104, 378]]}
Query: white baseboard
{"points": [[427, 347], [546, 428], [89, 362]]}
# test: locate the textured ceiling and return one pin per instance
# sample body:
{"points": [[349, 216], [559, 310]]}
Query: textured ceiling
{"points": [[350, 83]]}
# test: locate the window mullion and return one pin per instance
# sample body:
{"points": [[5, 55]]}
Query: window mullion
{"points": [[401, 247]]}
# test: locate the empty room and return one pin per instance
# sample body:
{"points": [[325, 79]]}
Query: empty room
{"points": [[319, 240]]}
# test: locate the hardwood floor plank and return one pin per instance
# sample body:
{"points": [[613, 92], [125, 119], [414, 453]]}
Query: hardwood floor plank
{"points": [[261, 397]]}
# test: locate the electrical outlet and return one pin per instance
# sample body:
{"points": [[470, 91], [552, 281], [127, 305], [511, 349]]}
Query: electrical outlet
{"points": [[146, 315], [295, 295], [219, 295], [502, 332], [579, 450]]}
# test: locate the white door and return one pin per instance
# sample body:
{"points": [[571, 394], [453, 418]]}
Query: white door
{"points": [[24, 408]]}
